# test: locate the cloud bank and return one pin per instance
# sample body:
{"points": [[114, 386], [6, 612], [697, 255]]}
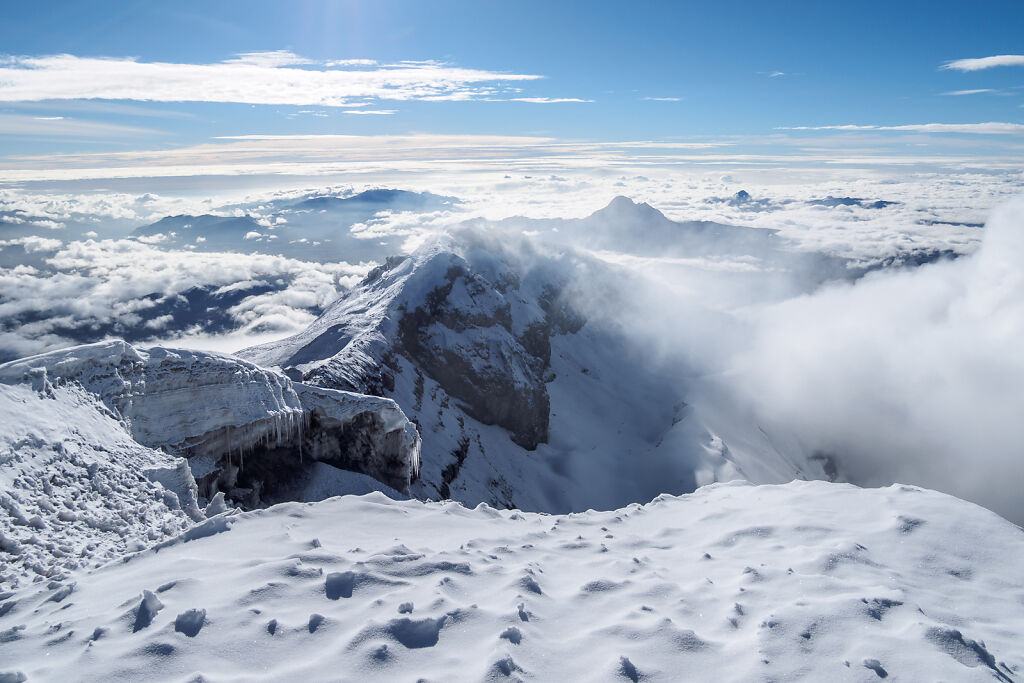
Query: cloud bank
{"points": [[281, 78], [87, 290], [910, 376]]}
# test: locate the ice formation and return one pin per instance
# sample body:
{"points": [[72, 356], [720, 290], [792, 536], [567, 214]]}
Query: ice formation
{"points": [[103, 446], [215, 409]]}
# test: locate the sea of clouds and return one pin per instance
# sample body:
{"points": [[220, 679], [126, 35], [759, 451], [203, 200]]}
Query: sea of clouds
{"points": [[911, 373]]}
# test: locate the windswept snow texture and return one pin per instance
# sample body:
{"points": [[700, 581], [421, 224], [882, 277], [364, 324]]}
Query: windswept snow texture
{"points": [[522, 401], [797, 582], [76, 490]]}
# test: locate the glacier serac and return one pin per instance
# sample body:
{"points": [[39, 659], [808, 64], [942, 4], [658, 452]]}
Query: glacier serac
{"points": [[103, 445]]}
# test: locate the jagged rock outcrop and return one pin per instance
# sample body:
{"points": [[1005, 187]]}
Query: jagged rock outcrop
{"points": [[474, 322]]}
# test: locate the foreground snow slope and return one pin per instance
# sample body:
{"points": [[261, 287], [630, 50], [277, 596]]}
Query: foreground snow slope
{"points": [[805, 581]]}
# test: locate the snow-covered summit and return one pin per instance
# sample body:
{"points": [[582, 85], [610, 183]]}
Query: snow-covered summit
{"points": [[476, 317], [807, 581]]}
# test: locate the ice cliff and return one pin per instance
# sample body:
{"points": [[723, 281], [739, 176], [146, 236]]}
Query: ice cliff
{"points": [[125, 444]]}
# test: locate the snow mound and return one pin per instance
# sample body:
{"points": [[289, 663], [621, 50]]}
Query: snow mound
{"points": [[807, 581]]}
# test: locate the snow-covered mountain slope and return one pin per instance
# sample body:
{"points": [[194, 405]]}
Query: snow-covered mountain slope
{"points": [[521, 399], [220, 411], [797, 582]]}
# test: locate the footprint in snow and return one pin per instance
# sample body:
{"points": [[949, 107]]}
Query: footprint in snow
{"points": [[530, 584], [415, 634], [505, 667], [147, 609], [628, 669], [512, 635], [190, 622], [876, 666], [339, 585]]}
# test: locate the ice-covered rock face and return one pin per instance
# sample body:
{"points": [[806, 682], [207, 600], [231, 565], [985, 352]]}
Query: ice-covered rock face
{"points": [[472, 320], [485, 343], [177, 399], [475, 319], [245, 430]]}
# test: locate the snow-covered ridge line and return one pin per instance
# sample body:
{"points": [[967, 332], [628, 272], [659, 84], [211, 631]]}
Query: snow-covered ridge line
{"points": [[217, 409]]}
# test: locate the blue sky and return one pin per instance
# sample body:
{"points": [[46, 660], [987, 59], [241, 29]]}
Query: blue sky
{"points": [[736, 71]]}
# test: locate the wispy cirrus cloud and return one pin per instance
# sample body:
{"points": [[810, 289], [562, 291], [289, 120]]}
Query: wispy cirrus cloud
{"points": [[976, 91], [979, 63], [62, 127], [279, 77], [987, 128], [548, 100], [663, 99]]}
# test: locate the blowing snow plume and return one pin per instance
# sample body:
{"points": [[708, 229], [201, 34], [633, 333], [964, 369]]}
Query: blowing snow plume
{"points": [[912, 376]]}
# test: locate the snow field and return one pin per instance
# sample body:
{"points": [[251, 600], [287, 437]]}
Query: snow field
{"points": [[803, 581]]}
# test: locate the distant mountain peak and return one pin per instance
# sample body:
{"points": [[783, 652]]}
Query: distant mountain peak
{"points": [[623, 207]]}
